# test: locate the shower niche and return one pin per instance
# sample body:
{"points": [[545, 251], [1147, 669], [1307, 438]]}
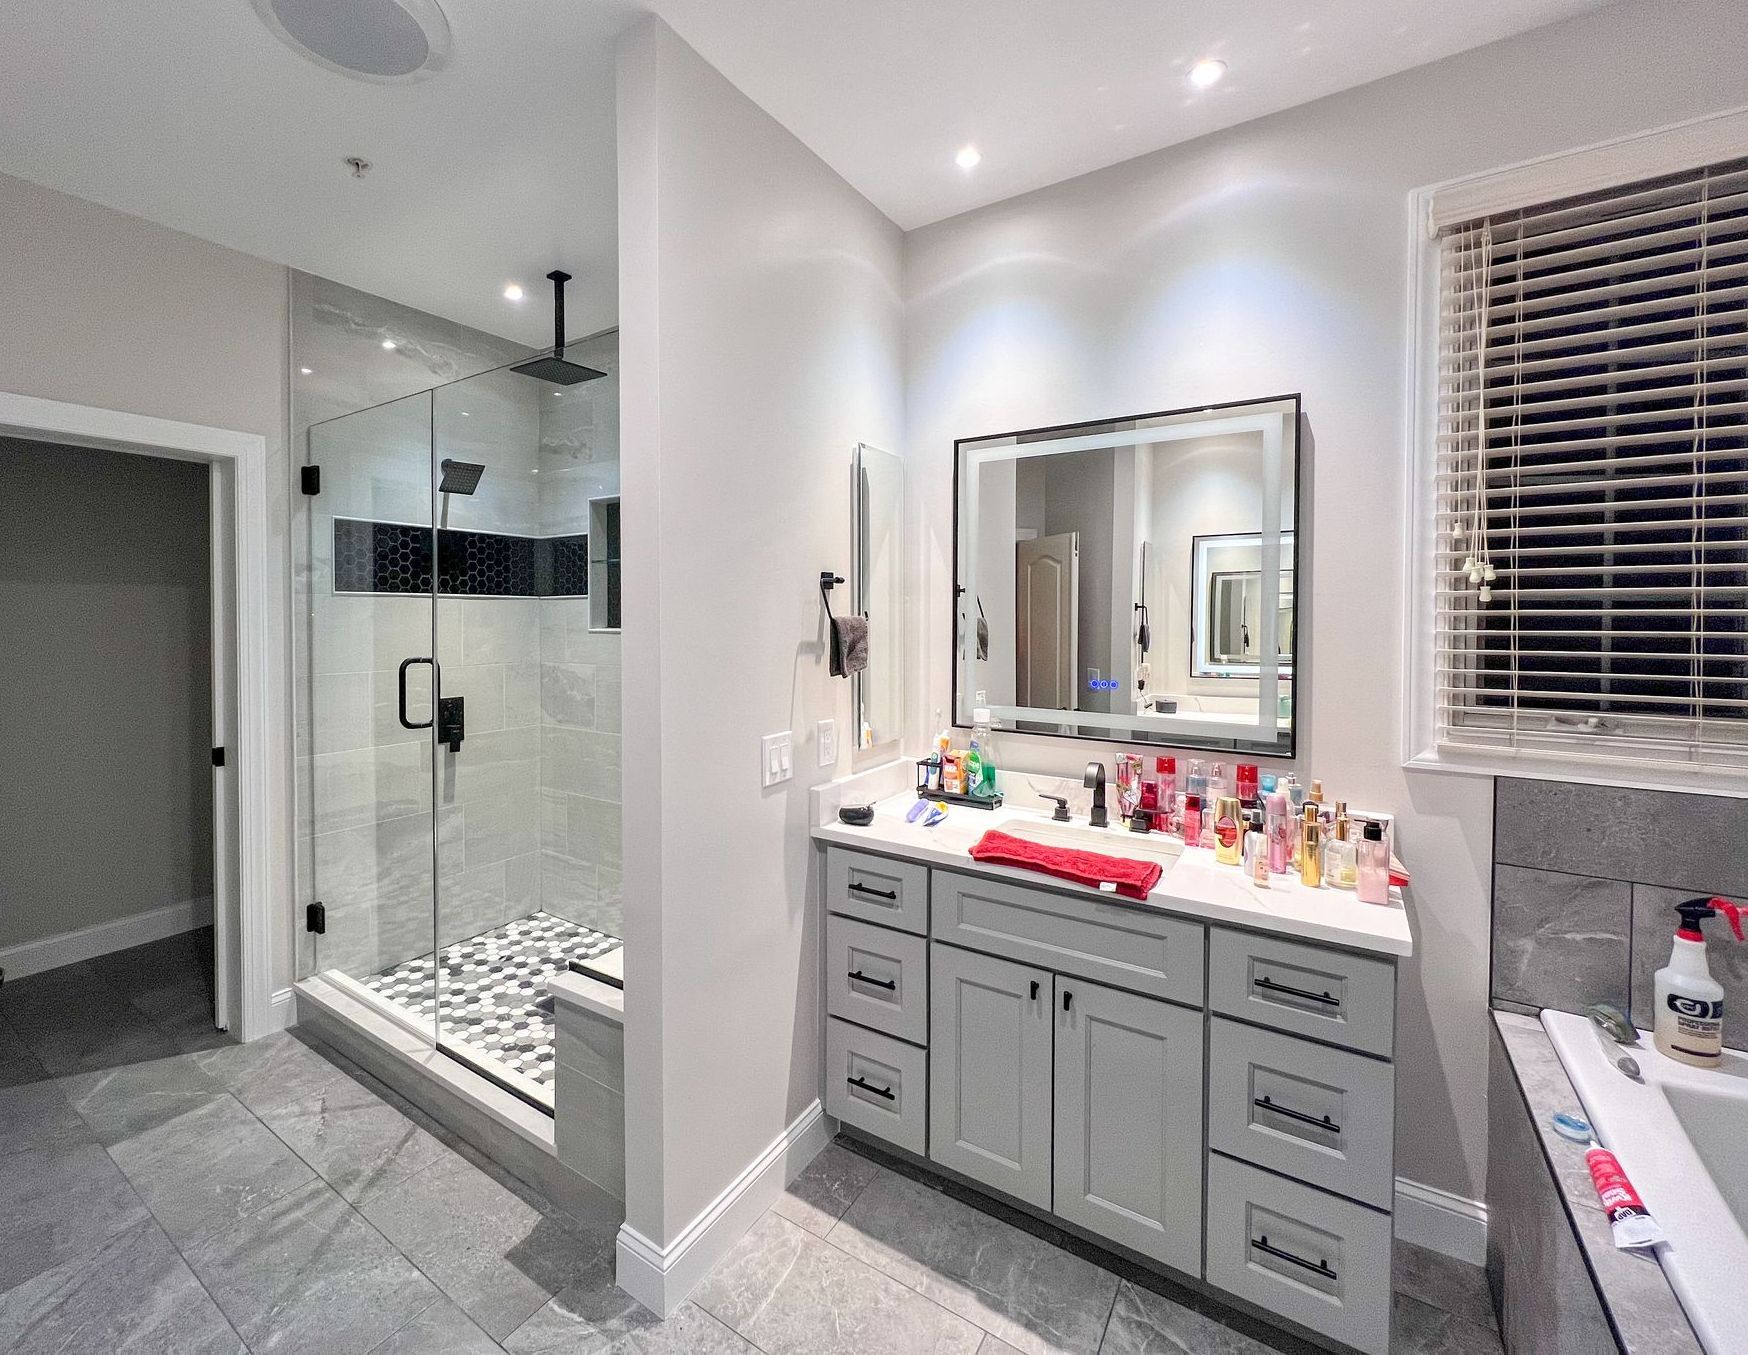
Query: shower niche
{"points": [[462, 731]]}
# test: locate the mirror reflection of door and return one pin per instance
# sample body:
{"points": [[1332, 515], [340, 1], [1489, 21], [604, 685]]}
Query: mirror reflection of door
{"points": [[1047, 619]]}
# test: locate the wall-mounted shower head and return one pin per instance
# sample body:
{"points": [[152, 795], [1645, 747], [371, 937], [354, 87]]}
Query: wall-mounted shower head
{"points": [[459, 477], [554, 367]]}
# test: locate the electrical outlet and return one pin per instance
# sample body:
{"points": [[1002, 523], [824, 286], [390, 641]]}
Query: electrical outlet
{"points": [[777, 757], [828, 743]]}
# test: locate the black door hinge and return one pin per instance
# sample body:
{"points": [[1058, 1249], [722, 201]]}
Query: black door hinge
{"points": [[316, 918], [218, 757], [310, 477]]}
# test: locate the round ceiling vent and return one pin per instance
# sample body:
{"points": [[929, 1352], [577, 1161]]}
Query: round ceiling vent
{"points": [[387, 41]]}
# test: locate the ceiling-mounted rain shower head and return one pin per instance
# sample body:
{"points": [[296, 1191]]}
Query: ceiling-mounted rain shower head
{"points": [[553, 367], [459, 477]]}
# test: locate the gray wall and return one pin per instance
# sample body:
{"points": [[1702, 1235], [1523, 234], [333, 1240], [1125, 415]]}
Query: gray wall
{"points": [[106, 724], [1585, 880], [100, 308], [1272, 257]]}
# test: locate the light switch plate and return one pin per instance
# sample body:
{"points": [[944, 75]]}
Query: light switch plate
{"points": [[827, 739], [777, 757]]}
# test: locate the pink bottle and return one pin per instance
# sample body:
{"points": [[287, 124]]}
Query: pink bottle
{"points": [[1279, 829], [1374, 865], [1192, 820]]}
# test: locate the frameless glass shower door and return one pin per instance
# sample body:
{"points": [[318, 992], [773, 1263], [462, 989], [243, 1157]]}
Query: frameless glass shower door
{"points": [[372, 667]]}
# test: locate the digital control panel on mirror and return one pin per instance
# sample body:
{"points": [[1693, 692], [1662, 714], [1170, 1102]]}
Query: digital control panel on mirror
{"points": [[1133, 579]]}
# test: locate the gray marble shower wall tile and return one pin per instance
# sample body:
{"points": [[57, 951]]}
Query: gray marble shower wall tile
{"points": [[1694, 842], [1560, 940]]}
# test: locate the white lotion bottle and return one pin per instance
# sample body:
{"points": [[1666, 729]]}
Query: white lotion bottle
{"points": [[1689, 1024]]}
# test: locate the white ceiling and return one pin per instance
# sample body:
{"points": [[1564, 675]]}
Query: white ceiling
{"points": [[501, 166]]}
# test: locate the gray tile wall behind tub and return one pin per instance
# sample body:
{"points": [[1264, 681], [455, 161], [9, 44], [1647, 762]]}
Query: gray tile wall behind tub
{"points": [[1585, 879]]}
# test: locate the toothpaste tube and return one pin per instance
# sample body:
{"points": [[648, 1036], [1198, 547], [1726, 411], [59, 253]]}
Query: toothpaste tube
{"points": [[1628, 1219]]}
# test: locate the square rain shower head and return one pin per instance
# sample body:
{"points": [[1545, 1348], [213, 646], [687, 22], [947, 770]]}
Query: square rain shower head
{"points": [[556, 370], [459, 477]]}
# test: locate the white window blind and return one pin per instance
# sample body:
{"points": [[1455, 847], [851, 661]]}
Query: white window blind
{"points": [[1592, 476]]}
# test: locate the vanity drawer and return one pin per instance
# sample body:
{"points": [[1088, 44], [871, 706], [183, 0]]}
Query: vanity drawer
{"points": [[878, 1084], [1124, 946], [1321, 1115], [1326, 994], [1314, 1259], [877, 889], [878, 977]]}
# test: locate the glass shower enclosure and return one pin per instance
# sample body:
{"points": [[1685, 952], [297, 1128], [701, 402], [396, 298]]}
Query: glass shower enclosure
{"points": [[463, 706]]}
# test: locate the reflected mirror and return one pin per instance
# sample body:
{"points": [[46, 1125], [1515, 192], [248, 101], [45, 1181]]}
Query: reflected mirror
{"points": [[877, 499], [1132, 579]]}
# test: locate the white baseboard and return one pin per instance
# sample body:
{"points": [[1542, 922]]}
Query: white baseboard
{"points": [[1442, 1222], [87, 943], [282, 1013], [660, 1278]]}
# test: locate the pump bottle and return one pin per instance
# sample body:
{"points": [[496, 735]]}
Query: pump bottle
{"points": [[1689, 1001]]}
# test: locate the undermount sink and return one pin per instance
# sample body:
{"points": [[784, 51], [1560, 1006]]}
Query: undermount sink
{"points": [[1158, 847]]}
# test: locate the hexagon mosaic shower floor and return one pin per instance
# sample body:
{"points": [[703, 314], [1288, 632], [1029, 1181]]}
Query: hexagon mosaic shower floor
{"points": [[492, 988]]}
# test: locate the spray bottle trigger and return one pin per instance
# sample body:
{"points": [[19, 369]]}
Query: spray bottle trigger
{"points": [[1734, 913]]}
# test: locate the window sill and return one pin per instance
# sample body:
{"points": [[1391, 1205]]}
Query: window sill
{"points": [[1536, 766]]}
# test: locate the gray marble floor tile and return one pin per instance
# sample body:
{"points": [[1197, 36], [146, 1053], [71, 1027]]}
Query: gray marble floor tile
{"points": [[34, 1110], [1420, 1329], [203, 1170], [120, 1103], [306, 1273], [1559, 940], [818, 1197], [1443, 1282], [57, 1203], [359, 1143], [1036, 1297], [791, 1293], [442, 1329], [493, 1251], [132, 1295], [12, 1044], [994, 1345], [1145, 1323], [102, 1035], [593, 1315], [268, 1072]]}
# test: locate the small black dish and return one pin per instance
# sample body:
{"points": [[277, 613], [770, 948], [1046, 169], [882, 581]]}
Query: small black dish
{"points": [[859, 816]]}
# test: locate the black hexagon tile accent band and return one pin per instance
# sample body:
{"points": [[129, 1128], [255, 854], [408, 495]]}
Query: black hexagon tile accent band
{"points": [[393, 557]]}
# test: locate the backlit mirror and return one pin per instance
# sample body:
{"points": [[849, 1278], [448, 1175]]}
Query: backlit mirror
{"points": [[877, 497], [1133, 579]]}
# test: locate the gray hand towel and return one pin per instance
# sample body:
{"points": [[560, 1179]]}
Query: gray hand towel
{"points": [[849, 645]]}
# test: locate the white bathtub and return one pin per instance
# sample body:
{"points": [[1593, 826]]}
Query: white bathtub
{"points": [[1682, 1135]]}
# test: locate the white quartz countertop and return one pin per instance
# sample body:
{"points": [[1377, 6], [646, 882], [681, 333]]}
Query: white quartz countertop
{"points": [[1192, 886]]}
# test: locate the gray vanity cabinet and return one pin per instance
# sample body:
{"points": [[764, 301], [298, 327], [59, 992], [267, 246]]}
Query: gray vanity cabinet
{"points": [[1128, 1120], [990, 1058]]}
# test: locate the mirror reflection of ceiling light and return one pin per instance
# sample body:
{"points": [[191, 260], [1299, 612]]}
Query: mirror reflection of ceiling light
{"points": [[1207, 72], [968, 158], [513, 292]]}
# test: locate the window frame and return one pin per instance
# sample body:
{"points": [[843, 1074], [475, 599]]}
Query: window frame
{"points": [[1615, 163]]}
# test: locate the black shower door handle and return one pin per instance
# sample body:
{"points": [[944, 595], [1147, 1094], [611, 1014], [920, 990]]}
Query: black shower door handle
{"points": [[406, 664]]}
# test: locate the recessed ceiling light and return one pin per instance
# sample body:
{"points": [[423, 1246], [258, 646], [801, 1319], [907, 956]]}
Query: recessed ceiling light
{"points": [[384, 41], [513, 292], [968, 158], [1207, 72], [390, 343], [305, 370], [465, 414]]}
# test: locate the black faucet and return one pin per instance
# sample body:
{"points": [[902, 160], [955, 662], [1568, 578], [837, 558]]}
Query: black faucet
{"points": [[1095, 778]]}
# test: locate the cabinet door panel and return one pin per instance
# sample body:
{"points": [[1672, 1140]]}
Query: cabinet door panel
{"points": [[1129, 1120], [990, 1071]]}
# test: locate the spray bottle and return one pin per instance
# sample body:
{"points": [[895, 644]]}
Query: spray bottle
{"points": [[1690, 1002]]}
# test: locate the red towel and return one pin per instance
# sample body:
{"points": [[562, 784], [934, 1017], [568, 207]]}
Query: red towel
{"points": [[1133, 879]]}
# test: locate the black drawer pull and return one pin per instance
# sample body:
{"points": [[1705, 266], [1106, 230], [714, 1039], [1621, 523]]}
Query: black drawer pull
{"points": [[868, 1086], [890, 985], [1265, 982], [1316, 1268], [858, 888], [1067, 999], [1263, 1103], [1034, 990]]}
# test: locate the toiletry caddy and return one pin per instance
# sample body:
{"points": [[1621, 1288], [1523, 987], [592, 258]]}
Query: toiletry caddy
{"points": [[1254, 1071]]}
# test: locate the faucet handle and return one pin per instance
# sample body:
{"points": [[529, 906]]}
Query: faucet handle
{"points": [[1060, 813]]}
